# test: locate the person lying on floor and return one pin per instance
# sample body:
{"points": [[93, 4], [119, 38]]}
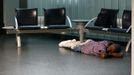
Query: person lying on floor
{"points": [[103, 49]]}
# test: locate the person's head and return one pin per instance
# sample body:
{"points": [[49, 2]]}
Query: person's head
{"points": [[114, 48]]}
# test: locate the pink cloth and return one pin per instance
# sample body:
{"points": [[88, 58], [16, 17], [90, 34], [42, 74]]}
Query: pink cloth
{"points": [[94, 47]]}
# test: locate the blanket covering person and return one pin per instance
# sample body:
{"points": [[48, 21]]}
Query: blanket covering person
{"points": [[103, 48]]}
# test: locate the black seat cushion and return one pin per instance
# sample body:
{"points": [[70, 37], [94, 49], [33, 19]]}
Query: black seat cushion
{"points": [[117, 30], [94, 27], [58, 26], [126, 19], [29, 27], [107, 18]]}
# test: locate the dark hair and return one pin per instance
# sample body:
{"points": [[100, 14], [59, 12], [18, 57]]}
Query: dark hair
{"points": [[114, 48], [117, 47]]}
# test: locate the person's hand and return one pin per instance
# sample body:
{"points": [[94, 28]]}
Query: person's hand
{"points": [[117, 55], [104, 55]]}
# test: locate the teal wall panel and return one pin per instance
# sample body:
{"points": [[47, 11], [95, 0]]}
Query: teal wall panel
{"points": [[115, 4], [128, 4], [85, 9], [107, 4]]}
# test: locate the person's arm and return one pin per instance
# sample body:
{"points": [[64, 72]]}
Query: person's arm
{"points": [[105, 55], [109, 55], [117, 55]]}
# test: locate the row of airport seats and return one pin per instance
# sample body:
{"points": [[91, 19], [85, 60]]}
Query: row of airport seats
{"points": [[56, 18], [53, 19], [107, 20]]}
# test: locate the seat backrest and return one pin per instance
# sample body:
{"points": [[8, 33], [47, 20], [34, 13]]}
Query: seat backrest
{"points": [[26, 16], [126, 19], [55, 16], [107, 18]]}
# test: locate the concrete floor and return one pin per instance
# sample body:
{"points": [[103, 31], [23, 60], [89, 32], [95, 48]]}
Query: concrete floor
{"points": [[40, 55]]}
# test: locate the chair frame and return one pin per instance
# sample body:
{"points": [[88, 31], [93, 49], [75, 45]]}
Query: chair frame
{"points": [[42, 30]]}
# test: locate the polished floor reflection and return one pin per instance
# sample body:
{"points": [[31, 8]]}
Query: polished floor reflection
{"points": [[40, 55]]}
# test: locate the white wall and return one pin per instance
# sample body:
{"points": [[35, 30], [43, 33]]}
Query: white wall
{"points": [[9, 6]]}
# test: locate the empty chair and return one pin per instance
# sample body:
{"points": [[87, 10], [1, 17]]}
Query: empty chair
{"points": [[26, 18], [126, 19], [105, 19], [126, 23], [55, 18]]}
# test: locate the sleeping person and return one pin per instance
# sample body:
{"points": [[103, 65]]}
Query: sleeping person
{"points": [[103, 49]]}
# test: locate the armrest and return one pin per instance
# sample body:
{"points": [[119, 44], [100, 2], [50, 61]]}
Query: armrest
{"points": [[128, 29], [69, 21], [90, 21], [16, 23]]}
